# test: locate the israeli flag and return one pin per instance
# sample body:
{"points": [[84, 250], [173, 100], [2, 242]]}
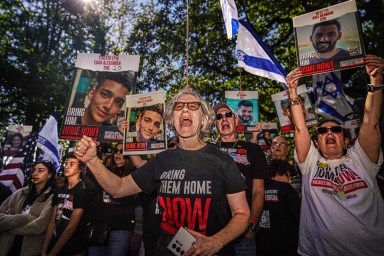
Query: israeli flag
{"points": [[255, 57], [230, 15], [330, 100], [48, 142]]}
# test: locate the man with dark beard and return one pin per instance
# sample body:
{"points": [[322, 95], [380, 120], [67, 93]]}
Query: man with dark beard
{"points": [[324, 38]]}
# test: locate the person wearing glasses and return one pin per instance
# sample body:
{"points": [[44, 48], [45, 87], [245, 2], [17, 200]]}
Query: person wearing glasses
{"points": [[279, 151], [198, 186], [252, 163], [117, 213], [324, 38], [24, 216], [342, 210]]}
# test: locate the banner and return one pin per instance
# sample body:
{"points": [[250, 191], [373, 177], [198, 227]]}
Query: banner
{"points": [[146, 131], [255, 57], [283, 110], [330, 100], [97, 97], [245, 105], [329, 39], [48, 142], [229, 10], [16, 137]]}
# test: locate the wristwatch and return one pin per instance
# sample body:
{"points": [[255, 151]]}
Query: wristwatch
{"points": [[372, 88]]}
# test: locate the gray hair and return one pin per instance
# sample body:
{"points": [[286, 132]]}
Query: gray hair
{"points": [[208, 112]]}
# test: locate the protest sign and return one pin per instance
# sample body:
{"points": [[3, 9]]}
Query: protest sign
{"points": [[97, 98], [329, 39], [146, 133], [283, 110], [16, 137], [245, 105]]}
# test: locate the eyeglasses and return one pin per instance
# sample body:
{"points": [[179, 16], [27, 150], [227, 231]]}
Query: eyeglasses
{"points": [[333, 129], [227, 115], [193, 106], [118, 151], [281, 144]]}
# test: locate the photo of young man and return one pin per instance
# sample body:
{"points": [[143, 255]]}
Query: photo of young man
{"points": [[324, 38], [106, 99]]}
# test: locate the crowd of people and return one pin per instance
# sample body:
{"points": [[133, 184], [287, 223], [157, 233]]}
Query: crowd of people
{"points": [[229, 195]]}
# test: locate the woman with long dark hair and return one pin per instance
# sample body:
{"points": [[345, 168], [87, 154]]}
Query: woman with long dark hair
{"points": [[24, 216]]}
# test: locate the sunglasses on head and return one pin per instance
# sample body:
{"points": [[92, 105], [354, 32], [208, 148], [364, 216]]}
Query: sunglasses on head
{"points": [[333, 129], [227, 115], [118, 151], [193, 106]]}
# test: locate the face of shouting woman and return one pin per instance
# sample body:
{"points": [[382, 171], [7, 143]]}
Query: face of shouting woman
{"points": [[187, 116]]}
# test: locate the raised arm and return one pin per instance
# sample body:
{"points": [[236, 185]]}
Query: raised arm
{"points": [[236, 226], [118, 187], [302, 138], [369, 134]]}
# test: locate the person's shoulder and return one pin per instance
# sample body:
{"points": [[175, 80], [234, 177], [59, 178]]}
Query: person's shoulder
{"points": [[342, 54]]}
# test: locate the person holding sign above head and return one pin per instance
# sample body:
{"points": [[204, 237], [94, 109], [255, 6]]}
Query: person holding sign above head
{"points": [[342, 210], [106, 99], [324, 38], [198, 186]]}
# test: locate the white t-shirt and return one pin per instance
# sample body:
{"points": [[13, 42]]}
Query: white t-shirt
{"points": [[342, 212]]}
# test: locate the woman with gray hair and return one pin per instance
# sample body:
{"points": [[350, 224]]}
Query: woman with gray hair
{"points": [[195, 182]]}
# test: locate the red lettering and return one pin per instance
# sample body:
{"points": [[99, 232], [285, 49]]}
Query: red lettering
{"points": [[90, 131], [70, 130]]}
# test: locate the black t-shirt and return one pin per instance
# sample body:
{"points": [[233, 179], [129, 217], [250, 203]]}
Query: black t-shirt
{"points": [[192, 187], [250, 159], [66, 201], [279, 224], [342, 54]]}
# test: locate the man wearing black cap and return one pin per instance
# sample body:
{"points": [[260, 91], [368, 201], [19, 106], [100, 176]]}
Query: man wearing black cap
{"points": [[253, 165]]}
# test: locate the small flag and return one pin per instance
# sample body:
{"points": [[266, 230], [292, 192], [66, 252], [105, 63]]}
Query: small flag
{"points": [[254, 56], [330, 100], [16, 172], [230, 16], [48, 142]]}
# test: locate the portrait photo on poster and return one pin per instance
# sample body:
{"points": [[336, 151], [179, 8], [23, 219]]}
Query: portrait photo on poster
{"points": [[329, 39], [146, 131], [97, 102], [245, 105]]}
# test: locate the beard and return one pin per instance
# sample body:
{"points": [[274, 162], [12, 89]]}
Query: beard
{"points": [[319, 49]]}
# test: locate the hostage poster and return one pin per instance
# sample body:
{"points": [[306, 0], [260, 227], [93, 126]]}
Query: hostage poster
{"points": [[283, 109], [146, 131], [16, 137], [245, 105], [329, 39], [96, 102]]}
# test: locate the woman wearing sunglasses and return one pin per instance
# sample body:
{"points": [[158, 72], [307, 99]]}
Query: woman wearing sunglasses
{"points": [[24, 216], [195, 182], [342, 212], [117, 213]]}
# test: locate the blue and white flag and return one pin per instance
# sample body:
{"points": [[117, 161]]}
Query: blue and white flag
{"points": [[48, 142], [254, 56], [330, 100], [230, 16]]}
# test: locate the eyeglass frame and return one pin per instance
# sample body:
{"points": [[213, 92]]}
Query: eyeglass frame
{"points": [[227, 115], [329, 129], [187, 104]]}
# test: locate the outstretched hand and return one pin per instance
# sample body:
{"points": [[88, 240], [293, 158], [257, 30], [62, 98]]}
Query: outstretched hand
{"points": [[85, 149], [293, 78], [374, 67], [204, 245]]}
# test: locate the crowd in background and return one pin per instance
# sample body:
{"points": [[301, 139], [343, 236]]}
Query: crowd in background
{"points": [[85, 208]]}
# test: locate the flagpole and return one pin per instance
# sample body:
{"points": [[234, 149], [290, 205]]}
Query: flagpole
{"points": [[186, 50]]}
